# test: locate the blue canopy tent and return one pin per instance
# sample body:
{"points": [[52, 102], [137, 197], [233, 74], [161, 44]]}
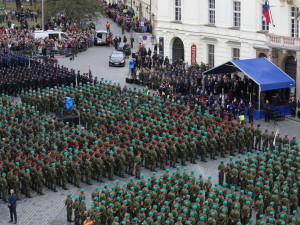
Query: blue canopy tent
{"points": [[263, 72]]}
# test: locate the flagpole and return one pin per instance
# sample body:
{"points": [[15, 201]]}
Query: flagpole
{"points": [[271, 14]]}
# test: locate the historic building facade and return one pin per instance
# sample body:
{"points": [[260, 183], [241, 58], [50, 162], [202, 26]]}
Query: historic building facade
{"points": [[216, 31]]}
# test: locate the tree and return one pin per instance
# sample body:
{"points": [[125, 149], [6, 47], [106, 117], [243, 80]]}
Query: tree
{"points": [[76, 10], [18, 5]]}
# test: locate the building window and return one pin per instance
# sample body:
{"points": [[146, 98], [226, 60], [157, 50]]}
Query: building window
{"points": [[211, 12], [211, 55], [178, 10], [264, 23], [294, 22], [236, 14], [235, 54]]}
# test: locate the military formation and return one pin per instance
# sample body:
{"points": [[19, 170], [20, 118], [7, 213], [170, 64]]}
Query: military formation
{"points": [[181, 197], [124, 130], [16, 75]]}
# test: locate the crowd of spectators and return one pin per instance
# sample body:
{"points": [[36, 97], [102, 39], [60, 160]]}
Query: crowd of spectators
{"points": [[21, 38], [128, 19]]}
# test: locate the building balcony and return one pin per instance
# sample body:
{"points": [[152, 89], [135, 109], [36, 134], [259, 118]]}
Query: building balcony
{"points": [[283, 42]]}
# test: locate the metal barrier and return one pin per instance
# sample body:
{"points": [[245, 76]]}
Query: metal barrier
{"points": [[51, 52]]}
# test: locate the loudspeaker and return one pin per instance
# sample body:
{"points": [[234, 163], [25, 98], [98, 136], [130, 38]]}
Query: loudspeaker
{"points": [[274, 101], [129, 80]]}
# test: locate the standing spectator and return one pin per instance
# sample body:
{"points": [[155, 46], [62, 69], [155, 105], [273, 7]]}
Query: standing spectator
{"points": [[235, 105], [124, 39], [250, 112], [107, 27], [12, 205], [241, 107], [131, 41], [267, 109], [293, 106], [149, 52]]}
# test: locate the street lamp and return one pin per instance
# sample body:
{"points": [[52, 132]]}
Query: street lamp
{"points": [[147, 9]]}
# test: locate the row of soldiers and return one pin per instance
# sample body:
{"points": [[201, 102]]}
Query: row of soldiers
{"points": [[22, 77], [176, 197], [10, 58]]}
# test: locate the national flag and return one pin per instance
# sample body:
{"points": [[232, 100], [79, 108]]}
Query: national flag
{"points": [[90, 74], [69, 103], [266, 12]]}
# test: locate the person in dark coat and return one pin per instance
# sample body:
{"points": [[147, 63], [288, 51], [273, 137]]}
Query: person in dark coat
{"points": [[267, 108], [250, 112], [12, 205], [293, 106]]}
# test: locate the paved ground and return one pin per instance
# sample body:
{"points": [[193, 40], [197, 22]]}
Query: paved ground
{"points": [[49, 208]]}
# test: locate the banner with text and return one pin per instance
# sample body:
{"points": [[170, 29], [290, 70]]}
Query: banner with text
{"points": [[193, 54]]}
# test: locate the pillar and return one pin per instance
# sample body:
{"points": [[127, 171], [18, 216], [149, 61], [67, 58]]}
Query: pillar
{"points": [[298, 75], [273, 55]]}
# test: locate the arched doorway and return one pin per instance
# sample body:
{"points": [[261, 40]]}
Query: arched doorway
{"points": [[291, 67], [177, 49], [262, 55]]}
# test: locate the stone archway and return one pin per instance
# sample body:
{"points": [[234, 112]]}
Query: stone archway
{"points": [[290, 67], [177, 49], [262, 55]]}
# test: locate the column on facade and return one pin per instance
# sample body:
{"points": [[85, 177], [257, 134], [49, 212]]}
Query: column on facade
{"points": [[298, 75], [273, 55]]}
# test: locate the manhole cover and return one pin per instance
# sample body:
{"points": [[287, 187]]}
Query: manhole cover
{"points": [[57, 223]]}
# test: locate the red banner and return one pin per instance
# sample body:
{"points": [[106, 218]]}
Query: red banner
{"points": [[193, 54]]}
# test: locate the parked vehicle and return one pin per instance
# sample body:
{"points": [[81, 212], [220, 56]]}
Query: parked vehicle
{"points": [[50, 34], [117, 59], [101, 37], [123, 47]]}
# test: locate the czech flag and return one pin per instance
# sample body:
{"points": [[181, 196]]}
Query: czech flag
{"points": [[266, 12], [90, 74]]}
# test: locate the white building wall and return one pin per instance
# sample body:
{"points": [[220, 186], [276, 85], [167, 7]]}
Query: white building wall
{"points": [[194, 29]]}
